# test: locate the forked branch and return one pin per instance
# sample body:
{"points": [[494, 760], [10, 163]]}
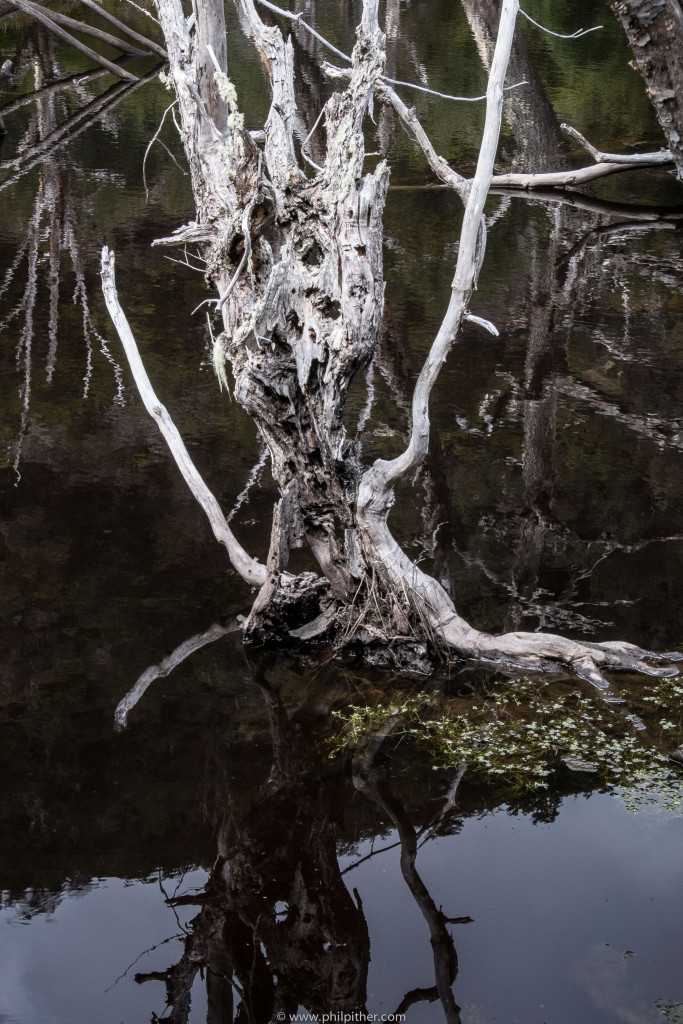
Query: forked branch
{"points": [[378, 481], [526, 651]]}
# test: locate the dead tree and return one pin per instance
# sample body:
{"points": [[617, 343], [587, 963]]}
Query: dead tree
{"points": [[655, 32], [297, 263]]}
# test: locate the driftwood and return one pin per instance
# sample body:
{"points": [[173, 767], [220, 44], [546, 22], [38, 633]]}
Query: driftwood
{"points": [[297, 266]]}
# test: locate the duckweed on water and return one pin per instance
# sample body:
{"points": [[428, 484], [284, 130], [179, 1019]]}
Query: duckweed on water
{"points": [[519, 732]]}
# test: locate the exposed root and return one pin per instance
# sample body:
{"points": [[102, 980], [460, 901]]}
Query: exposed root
{"points": [[544, 651], [290, 599], [392, 624]]}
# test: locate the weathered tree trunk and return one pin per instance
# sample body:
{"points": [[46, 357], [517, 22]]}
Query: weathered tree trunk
{"points": [[297, 262], [655, 32]]}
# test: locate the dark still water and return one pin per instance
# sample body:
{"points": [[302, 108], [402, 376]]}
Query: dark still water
{"points": [[223, 859]]}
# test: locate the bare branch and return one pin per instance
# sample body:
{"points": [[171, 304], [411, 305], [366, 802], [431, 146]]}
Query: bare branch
{"points": [[248, 568], [95, 33], [131, 33], [664, 156], [344, 56], [581, 176], [35, 11], [559, 35], [481, 322], [166, 666], [379, 479], [299, 21], [445, 95], [410, 120]]}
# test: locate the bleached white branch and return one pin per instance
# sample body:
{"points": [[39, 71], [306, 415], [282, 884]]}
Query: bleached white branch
{"points": [[560, 35], [378, 480], [662, 156], [340, 53], [486, 324], [248, 568], [445, 95], [580, 176], [304, 24], [437, 163]]}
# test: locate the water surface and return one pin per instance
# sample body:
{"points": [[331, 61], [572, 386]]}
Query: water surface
{"points": [[551, 500]]}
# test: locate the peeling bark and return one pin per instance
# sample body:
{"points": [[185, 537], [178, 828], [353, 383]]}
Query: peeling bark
{"points": [[297, 263], [655, 32]]}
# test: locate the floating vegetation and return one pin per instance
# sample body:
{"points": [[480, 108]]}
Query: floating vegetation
{"points": [[521, 732]]}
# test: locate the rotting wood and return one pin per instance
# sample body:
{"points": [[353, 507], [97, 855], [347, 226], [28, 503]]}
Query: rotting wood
{"points": [[298, 263]]}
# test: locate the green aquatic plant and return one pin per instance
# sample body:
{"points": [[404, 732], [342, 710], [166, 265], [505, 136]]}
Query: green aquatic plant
{"points": [[673, 1012], [521, 732]]}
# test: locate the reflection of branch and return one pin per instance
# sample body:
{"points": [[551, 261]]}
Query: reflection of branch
{"points": [[26, 337], [165, 667], [443, 949], [250, 570], [656, 428], [150, 949], [71, 128], [253, 478], [580, 201], [416, 995], [449, 804], [61, 85], [89, 329], [369, 856]]}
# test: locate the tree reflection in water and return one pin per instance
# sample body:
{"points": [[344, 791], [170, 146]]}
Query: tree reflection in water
{"points": [[278, 927]]}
